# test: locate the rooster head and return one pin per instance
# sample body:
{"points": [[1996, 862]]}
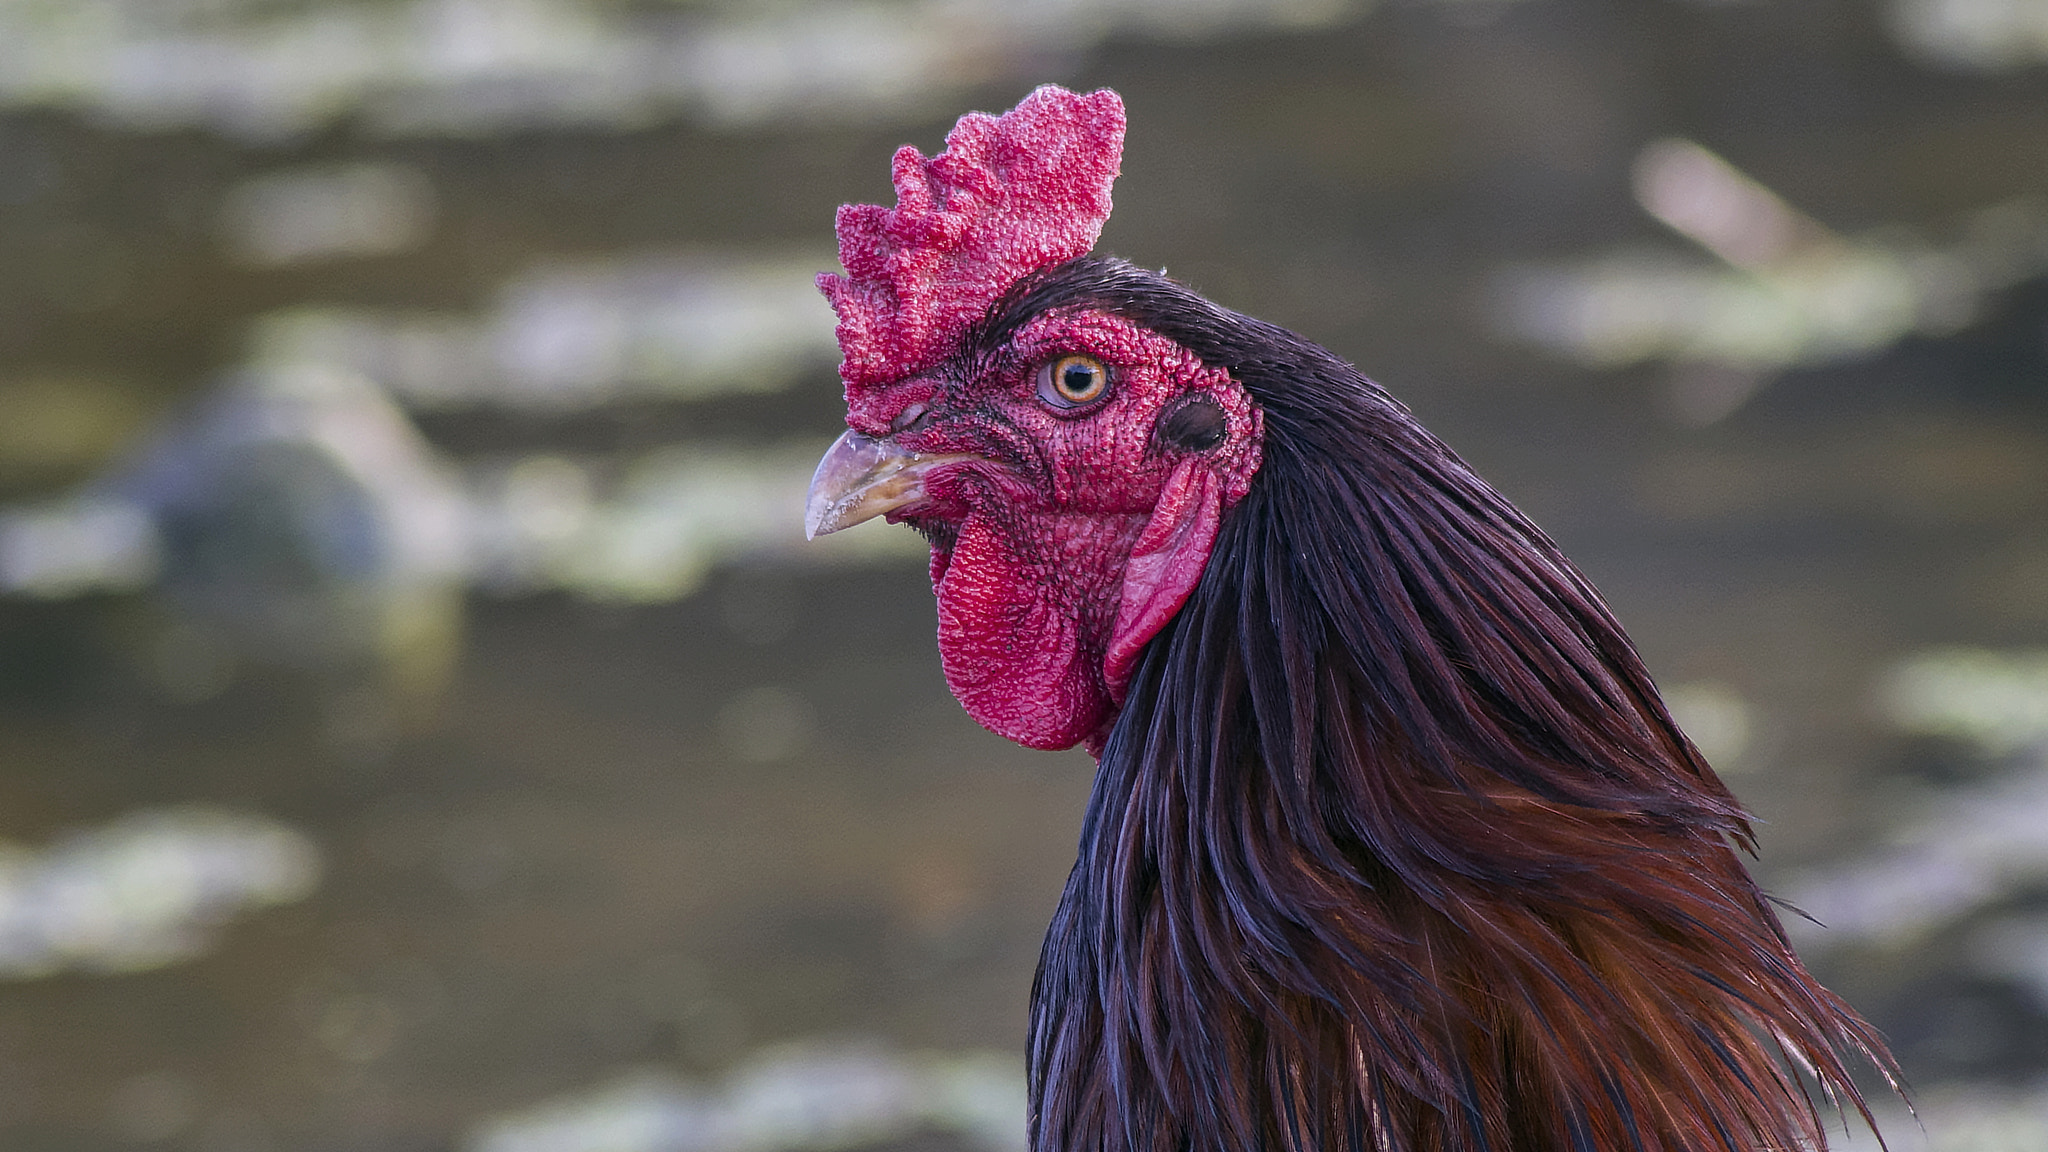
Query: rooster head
{"points": [[1069, 466]]}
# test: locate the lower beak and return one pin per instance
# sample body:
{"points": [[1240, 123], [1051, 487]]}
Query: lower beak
{"points": [[862, 478]]}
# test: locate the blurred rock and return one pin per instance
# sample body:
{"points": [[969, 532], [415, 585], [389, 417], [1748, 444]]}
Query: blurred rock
{"points": [[1973, 35], [419, 67], [1717, 719], [1997, 699], [1789, 292], [1968, 851], [150, 889], [302, 522], [569, 338], [814, 1098], [300, 215]]}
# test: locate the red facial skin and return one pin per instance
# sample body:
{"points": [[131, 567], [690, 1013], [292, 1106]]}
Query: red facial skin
{"points": [[1078, 533], [1010, 195]]}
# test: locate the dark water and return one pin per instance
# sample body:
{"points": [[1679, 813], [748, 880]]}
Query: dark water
{"points": [[673, 835]]}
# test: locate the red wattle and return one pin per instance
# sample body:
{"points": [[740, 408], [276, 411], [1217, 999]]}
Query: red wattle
{"points": [[1166, 562], [1012, 646]]}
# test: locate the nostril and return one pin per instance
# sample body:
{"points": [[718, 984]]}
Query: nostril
{"points": [[907, 419]]}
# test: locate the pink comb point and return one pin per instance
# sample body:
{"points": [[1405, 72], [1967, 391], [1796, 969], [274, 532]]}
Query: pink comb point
{"points": [[1010, 195]]}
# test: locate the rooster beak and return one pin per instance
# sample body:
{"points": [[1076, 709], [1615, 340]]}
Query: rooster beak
{"points": [[862, 478]]}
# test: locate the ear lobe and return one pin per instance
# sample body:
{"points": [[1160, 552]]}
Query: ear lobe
{"points": [[1165, 563]]}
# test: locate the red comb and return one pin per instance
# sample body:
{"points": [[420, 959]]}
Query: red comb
{"points": [[1009, 196]]}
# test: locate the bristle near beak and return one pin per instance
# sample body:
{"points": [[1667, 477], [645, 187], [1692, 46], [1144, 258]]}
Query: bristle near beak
{"points": [[861, 478]]}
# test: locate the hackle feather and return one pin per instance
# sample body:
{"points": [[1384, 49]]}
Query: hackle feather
{"points": [[1394, 847]]}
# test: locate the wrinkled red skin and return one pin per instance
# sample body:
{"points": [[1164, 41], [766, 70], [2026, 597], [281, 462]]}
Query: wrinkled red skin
{"points": [[1010, 195], [1078, 535], [1031, 550]]}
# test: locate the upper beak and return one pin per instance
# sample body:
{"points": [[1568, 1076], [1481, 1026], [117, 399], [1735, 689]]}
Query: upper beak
{"points": [[861, 478]]}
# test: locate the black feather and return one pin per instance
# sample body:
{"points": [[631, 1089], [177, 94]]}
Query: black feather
{"points": [[1394, 847]]}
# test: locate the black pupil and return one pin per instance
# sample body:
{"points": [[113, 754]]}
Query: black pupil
{"points": [[1077, 378]]}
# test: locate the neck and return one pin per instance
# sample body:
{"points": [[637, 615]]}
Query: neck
{"points": [[1393, 847]]}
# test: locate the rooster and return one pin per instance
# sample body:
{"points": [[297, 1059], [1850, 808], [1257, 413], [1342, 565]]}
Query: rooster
{"points": [[1392, 845]]}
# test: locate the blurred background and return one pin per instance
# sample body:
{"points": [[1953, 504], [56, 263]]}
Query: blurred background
{"points": [[423, 727]]}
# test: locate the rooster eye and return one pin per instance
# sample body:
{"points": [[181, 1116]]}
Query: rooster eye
{"points": [[1072, 380]]}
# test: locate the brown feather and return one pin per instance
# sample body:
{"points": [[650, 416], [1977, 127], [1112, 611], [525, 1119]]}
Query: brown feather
{"points": [[1394, 847]]}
